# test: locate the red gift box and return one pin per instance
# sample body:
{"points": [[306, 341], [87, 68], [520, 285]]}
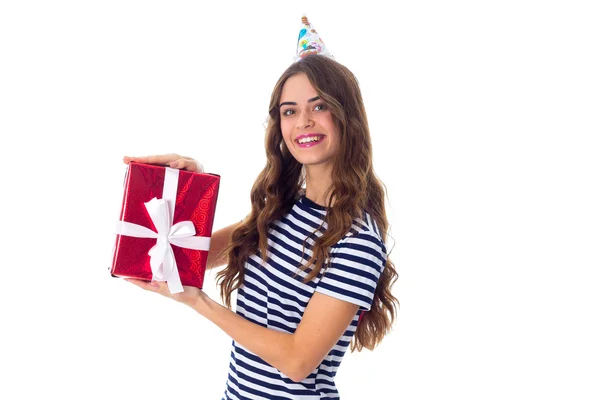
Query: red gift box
{"points": [[165, 225]]}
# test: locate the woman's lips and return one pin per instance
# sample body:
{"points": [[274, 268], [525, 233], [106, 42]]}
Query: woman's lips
{"points": [[309, 144]]}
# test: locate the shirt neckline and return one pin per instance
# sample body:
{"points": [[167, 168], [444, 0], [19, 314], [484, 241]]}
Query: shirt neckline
{"points": [[308, 202]]}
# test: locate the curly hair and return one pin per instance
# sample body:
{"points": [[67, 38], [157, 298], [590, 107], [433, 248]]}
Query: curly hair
{"points": [[355, 188]]}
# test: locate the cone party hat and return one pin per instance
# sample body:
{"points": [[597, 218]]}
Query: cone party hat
{"points": [[309, 42]]}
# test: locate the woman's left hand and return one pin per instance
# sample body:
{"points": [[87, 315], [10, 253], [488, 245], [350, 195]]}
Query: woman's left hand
{"points": [[189, 296]]}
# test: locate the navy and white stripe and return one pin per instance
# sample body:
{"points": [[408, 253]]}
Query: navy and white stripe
{"points": [[273, 297]]}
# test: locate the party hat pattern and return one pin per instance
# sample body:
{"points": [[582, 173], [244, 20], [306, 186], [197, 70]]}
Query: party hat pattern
{"points": [[309, 42]]}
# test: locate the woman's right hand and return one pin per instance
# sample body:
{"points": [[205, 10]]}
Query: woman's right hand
{"points": [[172, 160]]}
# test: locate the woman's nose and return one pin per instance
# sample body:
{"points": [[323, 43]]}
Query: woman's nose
{"points": [[303, 121]]}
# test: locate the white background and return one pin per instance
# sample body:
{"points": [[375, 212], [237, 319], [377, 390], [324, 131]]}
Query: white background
{"points": [[485, 122]]}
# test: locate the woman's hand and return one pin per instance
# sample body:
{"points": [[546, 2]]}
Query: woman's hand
{"points": [[172, 160], [190, 295]]}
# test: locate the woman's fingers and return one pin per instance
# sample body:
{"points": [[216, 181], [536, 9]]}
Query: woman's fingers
{"points": [[187, 164], [157, 159], [173, 160], [154, 286], [144, 285]]}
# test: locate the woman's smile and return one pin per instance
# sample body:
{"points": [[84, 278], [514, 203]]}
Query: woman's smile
{"points": [[309, 140]]}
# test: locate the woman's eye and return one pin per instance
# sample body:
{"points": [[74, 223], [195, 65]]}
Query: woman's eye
{"points": [[289, 111]]}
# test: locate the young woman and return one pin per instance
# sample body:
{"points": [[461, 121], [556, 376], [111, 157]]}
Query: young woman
{"points": [[310, 261]]}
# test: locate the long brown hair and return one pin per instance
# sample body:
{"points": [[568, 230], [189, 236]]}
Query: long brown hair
{"points": [[355, 188]]}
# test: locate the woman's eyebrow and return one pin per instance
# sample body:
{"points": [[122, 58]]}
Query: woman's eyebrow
{"points": [[293, 103]]}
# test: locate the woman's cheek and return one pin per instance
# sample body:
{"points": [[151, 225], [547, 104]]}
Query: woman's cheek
{"points": [[286, 129]]}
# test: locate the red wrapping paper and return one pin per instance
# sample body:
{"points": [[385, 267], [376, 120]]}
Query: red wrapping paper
{"points": [[196, 201]]}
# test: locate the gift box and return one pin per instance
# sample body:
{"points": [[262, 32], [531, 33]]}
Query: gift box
{"points": [[165, 225]]}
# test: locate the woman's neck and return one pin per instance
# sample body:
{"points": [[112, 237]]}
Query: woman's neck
{"points": [[318, 180]]}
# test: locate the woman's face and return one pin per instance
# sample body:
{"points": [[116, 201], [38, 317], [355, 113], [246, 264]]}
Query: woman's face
{"points": [[304, 118]]}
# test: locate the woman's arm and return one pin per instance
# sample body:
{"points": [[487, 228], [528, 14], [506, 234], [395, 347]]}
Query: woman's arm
{"points": [[296, 355], [219, 241]]}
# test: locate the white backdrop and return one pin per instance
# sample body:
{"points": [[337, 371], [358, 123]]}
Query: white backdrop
{"points": [[484, 120]]}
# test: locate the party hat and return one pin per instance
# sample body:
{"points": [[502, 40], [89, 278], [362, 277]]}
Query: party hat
{"points": [[309, 42]]}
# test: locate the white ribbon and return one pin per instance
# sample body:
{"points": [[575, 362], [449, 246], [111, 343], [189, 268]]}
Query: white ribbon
{"points": [[182, 234]]}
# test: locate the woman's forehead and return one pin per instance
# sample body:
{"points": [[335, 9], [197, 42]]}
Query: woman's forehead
{"points": [[298, 88]]}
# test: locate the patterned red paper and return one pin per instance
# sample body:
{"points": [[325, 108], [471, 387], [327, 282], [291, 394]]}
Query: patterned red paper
{"points": [[196, 201]]}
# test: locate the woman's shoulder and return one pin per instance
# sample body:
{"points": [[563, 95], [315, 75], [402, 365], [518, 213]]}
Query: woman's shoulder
{"points": [[364, 228], [363, 245]]}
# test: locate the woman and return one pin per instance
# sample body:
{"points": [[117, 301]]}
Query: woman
{"points": [[309, 262]]}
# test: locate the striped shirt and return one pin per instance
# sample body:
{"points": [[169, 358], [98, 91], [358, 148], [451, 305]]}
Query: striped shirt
{"points": [[271, 296]]}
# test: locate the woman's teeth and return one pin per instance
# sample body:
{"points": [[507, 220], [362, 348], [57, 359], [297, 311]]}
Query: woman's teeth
{"points": [[309, 139]]}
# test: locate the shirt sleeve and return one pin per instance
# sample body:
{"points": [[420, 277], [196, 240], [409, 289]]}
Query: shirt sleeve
{"points": [[356, 262]]}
